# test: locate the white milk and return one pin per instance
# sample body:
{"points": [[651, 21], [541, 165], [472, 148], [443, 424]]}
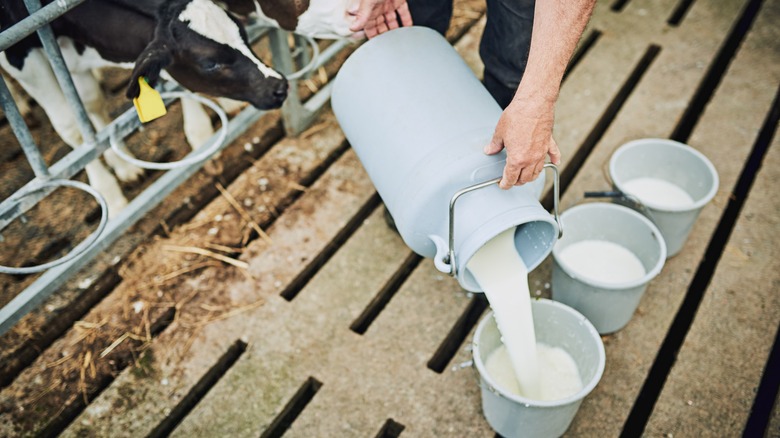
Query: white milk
{"points": [[558, 376], [658, 193], [602, 261], [503, 276]]}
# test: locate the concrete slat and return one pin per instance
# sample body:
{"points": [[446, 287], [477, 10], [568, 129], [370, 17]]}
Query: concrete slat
{"points": [[388, 376], [344, 188], [308, 337], [717, 371], [652, 111], [719, 366]]}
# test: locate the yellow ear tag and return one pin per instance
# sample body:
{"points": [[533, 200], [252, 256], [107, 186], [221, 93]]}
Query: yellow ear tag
{"points": [[149, 104]]}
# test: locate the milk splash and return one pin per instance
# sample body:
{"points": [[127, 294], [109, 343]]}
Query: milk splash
{"points": [[558, 379], [520, 365]]}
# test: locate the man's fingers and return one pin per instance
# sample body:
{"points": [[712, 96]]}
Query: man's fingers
{"points": [[529, 174], [381, 26], [555, 152], [404, 15], [371, 31], [510, 177], [391, 20]]}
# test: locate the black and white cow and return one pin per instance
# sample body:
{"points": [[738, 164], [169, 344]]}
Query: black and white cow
{"points": [[199, 44]]}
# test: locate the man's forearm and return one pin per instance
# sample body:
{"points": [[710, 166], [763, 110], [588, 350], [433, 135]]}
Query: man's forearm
{"points": [[558, 25]]}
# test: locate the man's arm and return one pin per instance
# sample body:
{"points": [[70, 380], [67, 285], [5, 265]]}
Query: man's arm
{"points": [[525, 127]]}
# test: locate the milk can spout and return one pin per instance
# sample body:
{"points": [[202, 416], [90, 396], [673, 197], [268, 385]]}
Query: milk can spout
{"points": [[447, 262]]}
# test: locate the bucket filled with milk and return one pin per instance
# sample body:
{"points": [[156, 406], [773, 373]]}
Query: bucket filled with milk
{"points": [[602, 266], [418, 120], [570, 361], [674, 182]]}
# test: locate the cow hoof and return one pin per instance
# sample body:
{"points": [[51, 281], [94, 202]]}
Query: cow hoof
{"points": [[213, 167], [128, 173], [115, 206]]}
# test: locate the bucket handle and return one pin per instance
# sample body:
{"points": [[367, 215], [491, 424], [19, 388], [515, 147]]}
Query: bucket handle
{"points": [[450, 258]]}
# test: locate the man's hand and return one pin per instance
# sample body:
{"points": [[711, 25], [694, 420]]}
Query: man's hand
{"points": [[378, 16], [525, 127], [525, 130]]}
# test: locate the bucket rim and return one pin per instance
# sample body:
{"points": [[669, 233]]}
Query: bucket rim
{"points": [[678, 145], [649, 275], [574, 398]]}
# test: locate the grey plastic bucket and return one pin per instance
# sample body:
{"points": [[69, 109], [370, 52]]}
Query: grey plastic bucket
{"points": [[608, 306], [418, 119], [556, 325], [673, 162]]}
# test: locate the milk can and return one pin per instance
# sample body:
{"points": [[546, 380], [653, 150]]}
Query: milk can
{"points": [[418, 119]]}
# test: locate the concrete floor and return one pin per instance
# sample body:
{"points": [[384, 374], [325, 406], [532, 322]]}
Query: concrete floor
{"points": [[333, 327]]}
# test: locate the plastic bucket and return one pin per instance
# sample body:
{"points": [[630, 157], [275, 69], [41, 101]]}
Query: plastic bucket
{"points": [[556, 325], [418, 120], [609, 306], [675, 163]]}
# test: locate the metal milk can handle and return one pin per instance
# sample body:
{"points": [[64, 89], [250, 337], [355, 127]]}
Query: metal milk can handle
{"points": [[451, 253]]}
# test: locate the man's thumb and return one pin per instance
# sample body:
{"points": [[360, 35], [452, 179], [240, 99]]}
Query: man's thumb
{"points": [[495, 146]]}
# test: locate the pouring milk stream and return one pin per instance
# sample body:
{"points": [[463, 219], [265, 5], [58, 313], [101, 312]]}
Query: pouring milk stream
{"points": [[540, 372]]}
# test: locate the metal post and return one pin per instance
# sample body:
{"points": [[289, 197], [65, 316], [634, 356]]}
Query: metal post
{"points": [[22, 133], [63, 76], [295, 115]]}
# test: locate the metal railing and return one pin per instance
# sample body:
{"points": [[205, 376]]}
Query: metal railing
{"points": [[297, 115]]}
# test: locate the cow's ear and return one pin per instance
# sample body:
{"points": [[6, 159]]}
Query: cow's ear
{"points": [[149, 64]]}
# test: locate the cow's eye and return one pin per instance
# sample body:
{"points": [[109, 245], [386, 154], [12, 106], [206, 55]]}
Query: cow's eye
{"points": [[211, 67]]}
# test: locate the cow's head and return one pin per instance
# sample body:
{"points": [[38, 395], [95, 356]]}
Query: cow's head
{"points": [[206, 50]]}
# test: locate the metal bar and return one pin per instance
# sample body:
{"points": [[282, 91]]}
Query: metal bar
{"points": [[22, 133], [25, 27], [318, 101], [52, 279], [63, 75]]}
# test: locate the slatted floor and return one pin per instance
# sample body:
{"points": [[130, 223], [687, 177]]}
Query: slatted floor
{"points": [[332, 327]]}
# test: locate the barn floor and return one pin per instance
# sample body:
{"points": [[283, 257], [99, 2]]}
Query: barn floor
{"points": [[331, 326]]}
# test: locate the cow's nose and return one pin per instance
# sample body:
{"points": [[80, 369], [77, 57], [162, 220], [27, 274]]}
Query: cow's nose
{"points": [[281, 91]]}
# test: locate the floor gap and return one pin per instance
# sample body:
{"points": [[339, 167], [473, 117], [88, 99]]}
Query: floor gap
{"points": [[294, 407], [391, 429], [370, 313], [761, 411], [199, 390], [467, 320], [619, 5], [585, 46], [715, 72], [296, 285], [679, 12]]}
